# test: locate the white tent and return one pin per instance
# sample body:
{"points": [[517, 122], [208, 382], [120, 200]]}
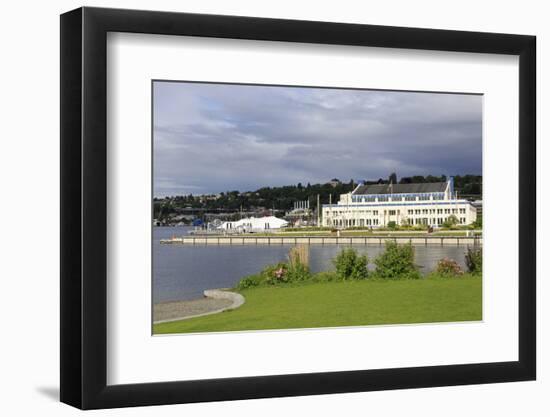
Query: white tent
{"points": [[254, 224]]}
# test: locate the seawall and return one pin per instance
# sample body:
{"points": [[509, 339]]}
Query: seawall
{"points": [[322, 240]]}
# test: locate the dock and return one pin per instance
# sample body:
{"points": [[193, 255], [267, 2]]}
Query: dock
{"points": [[323, 240]]}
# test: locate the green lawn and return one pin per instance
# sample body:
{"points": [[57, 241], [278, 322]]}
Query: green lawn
{"points": [[349, 303], [368, 233]]}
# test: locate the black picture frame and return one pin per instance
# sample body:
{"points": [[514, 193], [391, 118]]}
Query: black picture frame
{"points": [[84, 207]]}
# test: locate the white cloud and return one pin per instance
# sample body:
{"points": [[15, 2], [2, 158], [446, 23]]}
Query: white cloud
{"points": [[217, 137]]}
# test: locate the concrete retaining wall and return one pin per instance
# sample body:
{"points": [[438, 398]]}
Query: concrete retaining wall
{"points": [[323, 240]]}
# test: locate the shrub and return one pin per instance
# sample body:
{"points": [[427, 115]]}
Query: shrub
{"points": [[448, 266], [297, 272], [397, 261], [349, 265], [249, 282], [308, 229], [405, 224], [296, 269], [478, 224], [450, 222], [420, 227], [275, 274], [474, 260], [392, 225]]}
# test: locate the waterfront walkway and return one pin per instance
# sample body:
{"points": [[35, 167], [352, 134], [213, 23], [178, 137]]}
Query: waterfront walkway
{"points": [[321, 240], [214, 301]]}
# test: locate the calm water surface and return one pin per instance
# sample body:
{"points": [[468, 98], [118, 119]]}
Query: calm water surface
{"points": [[182, 272]]}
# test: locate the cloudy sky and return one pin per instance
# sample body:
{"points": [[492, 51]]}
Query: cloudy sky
{"points": [[210, 138]]}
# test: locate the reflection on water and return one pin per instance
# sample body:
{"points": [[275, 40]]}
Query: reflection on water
{"points": [[184, 272]]}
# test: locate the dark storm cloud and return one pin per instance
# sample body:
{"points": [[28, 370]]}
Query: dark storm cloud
{"points": [[210, 138]]}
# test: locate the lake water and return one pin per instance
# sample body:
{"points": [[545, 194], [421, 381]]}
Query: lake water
{"points": [[182, 272]]}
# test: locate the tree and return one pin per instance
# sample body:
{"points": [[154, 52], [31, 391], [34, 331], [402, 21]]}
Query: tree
{"points": [[393, 178], [478, 224], [451, 221]]}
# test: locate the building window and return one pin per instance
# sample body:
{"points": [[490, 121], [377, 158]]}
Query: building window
{"points": [[392, 212]]}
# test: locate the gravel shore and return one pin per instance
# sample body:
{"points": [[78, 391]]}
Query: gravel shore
{"points": [[182, 309]]}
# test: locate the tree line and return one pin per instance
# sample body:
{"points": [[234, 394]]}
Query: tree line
{"points": [[283, 197]]}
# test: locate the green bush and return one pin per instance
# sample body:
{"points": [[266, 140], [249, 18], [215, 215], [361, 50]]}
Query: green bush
{"points": [[450, 222], [250, 281], [308, 229], [448, 267], [405, 225], [392, 225], [349, 265], [275, 274], [478, 224], [297, 272], [397, 261], [419, 227], [474, 260]]}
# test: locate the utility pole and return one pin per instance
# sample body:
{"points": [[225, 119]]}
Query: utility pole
{"points": [[330, 208]]}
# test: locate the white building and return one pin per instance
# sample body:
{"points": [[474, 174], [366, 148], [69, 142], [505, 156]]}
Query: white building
{"points": [[415, 204], [254, 224]]}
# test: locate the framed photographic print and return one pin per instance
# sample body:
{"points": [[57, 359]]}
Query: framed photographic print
{"points": [[258, 207]]}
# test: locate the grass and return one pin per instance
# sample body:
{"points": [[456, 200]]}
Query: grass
{"points": [[347, 303]]}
